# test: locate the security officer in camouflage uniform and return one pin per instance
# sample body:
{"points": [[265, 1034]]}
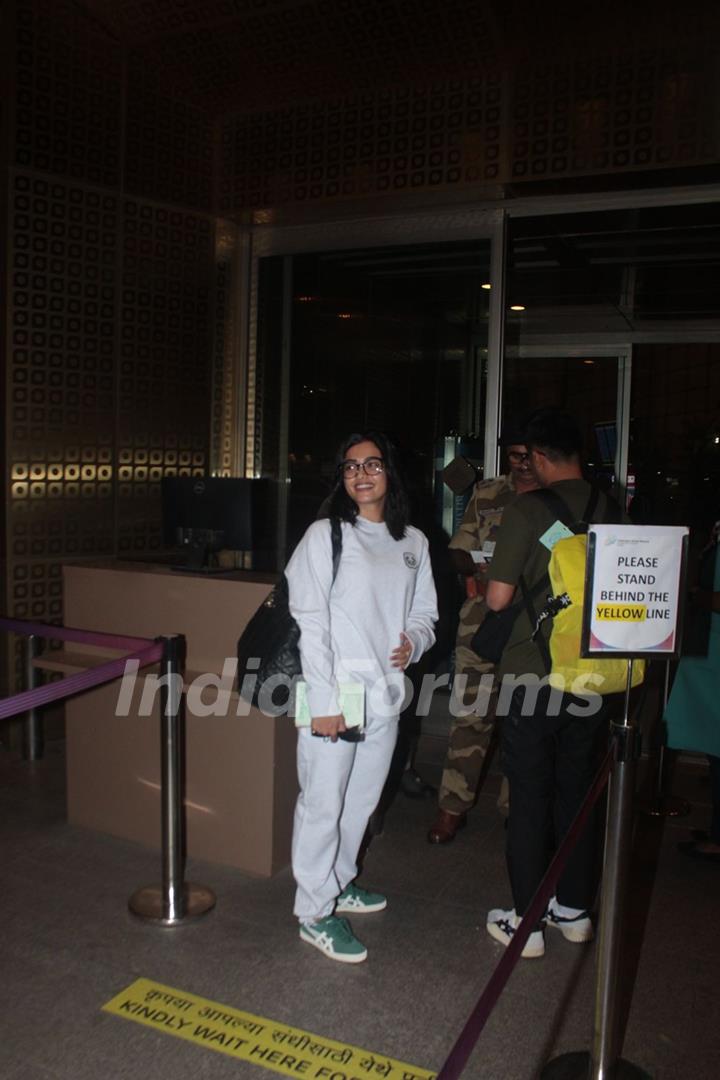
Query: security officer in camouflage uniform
{"points": [[470, 735]]}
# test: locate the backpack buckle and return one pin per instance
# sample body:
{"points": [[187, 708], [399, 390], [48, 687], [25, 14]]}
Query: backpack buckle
{"points": [[553, 604]]}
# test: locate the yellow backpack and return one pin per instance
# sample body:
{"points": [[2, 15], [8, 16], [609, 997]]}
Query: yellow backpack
{"points": [[564, 605]]}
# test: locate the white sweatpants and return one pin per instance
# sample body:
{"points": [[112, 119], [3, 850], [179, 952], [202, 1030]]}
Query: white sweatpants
{"points": [[340, 785]]}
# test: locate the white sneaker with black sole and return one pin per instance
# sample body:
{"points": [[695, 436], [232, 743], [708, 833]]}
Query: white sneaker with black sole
{"points": [[576, 927], [501, 925]]}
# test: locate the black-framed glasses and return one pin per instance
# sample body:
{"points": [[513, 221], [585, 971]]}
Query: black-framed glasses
{"points": [[518, 456], [372, 467]]}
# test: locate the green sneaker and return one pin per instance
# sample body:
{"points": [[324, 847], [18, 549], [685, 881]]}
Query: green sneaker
{"points": [[357, 901], [334, 937]]}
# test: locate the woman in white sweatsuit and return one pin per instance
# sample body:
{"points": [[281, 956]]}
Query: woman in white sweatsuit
{"points": [[367, 625]]}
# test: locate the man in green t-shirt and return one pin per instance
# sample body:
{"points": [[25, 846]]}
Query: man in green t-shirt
{"points": [[551, 742]]}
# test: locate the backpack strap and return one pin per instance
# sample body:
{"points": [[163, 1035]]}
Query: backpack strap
{"points": [[557, 506], [528, 597], [590, 505], [336, 540]]}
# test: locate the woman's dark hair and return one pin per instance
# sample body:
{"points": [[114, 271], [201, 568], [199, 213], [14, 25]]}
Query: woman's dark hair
{"points": [[341, 506]]}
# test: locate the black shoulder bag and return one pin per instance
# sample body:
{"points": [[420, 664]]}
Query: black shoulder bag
{"points": [[272, 636], [493, 633]]}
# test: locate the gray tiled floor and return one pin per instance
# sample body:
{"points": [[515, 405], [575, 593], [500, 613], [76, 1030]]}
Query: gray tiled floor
{"points": [[69, 945]]}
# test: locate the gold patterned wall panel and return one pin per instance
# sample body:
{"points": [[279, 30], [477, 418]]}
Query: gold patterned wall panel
{"points": [[89, 108], [324, 100], [252, 450], [165, 361], [269, 54], [60, 378], [110, 303], [59, 387], [168, 152], [642, 111], [427, 138], [68, 93], [110, 364], [638, 111], [226, 391]]}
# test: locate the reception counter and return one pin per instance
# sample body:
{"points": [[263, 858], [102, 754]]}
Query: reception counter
{"points": [[240, 784]]}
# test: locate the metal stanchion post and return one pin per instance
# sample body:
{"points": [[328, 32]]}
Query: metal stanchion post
{"points": [[174, 901], [603, 1063], [33, 735], [663, 805]]}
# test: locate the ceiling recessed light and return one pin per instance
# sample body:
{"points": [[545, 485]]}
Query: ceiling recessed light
{"points": [[517, 307], [486, 285], [588, 361]]}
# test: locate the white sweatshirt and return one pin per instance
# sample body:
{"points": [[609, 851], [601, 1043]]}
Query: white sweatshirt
{"points": [[383, 587]]}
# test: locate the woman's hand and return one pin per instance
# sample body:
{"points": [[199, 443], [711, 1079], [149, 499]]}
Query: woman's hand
{"points": [[400, 657], [328, 726]]}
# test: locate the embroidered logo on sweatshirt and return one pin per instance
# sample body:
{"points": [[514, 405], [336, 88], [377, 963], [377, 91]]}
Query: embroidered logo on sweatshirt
{"points": [[410, 560]]}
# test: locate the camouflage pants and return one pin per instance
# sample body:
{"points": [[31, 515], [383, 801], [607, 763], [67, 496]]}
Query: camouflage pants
{"points": [[470, 735]]}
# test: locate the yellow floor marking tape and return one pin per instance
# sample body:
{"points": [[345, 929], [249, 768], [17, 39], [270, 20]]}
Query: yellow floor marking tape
{"points": [[284, 1049]]}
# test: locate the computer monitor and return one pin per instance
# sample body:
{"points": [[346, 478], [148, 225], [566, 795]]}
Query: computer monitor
{"points": [[606, 439], [206, 514]]}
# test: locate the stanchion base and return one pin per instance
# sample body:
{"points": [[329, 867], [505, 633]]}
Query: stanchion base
{"points": [[578, 1066], [149, 903], [666, 806]]}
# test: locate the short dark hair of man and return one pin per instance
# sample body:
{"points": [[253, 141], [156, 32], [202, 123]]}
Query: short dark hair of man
{"points": [[555, 433]]}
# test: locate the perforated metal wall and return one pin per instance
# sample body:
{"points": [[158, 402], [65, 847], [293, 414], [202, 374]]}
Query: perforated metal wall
{"points": [[227, 398], [60, 382], [569, 118], [68, 93], [109, 375], [89, 109], [111, 306], [640, 111], [375, 143], [164, 372], [227, 417], [267, 54], [168, 143]]}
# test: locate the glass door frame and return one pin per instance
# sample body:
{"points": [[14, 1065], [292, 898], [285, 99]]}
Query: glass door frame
{"points": [[470, 221], [467, 222]]}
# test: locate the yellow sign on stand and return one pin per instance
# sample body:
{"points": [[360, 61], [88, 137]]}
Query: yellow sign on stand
{"points": [[279, 1047]]}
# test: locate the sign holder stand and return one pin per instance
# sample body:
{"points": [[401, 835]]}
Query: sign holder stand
{"points": [[603, 1061]]}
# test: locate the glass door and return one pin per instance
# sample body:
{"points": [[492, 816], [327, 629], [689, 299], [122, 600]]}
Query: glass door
{"points": [[392, 337], [674, 453], [593, 385]]}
